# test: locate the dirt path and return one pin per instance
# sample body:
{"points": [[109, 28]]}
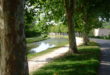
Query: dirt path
{"points": [[40, 61], [104, 68]]}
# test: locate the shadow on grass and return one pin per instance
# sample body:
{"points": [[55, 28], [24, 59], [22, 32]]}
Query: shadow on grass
{"points": [[84, 63]]}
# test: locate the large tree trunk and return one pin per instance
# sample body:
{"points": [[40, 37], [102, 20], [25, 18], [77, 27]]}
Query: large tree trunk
{"points": [[1, 21], [69, 5], [13, 46]]}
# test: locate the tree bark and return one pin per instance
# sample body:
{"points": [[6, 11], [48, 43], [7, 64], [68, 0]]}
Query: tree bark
{"points": [[85, 39], [13, 46], [69, 5], [86, 31], [1, 21]]}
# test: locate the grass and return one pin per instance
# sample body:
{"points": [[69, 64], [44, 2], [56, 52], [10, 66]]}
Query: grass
{"points": [[102, 37], [35, 39], [30, 56], [60, 36], [106, 26], [92, 43], [84, 63]]}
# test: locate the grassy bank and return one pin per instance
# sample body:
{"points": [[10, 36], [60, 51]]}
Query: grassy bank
{"points": [[101, 37], [84, 63], [46, 51], [35, 39]]}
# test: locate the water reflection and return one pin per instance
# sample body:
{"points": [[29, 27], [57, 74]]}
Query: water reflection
{"points": [[43, 46], [46, 44]]}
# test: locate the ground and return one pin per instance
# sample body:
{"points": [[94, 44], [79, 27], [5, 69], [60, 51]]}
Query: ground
{"points": [[104, 68], [40, 61]]}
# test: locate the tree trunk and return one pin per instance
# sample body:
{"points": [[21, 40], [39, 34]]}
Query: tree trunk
{"points": [[85, 39], [86, 31], [1, 21], [13, 46], [69, 5]]}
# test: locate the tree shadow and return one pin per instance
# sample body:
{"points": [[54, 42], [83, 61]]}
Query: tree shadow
{"points": [[84, 63]]}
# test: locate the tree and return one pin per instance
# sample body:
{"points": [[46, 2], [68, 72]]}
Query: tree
{"points": [[29, 19], [88, 15], [1, 21], [13, 46], [70, 5], [55, 11]]}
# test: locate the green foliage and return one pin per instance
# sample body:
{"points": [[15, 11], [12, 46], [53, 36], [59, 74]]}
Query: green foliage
{"points": [[58, 28], [87, 16], [32, 33], [33, 19], [84, 63]]}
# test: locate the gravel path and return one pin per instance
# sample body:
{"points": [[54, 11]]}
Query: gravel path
{"points": [[40, 61], [104, 68]]}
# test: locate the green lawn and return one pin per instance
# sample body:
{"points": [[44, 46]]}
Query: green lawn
{"points": [[101, 37], [84, 63]]}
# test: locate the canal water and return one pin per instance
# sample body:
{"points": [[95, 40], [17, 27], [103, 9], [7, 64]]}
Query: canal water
{"points": [[46, 44]]}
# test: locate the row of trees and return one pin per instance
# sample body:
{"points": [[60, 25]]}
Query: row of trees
{"points": [[82, 13], [58, 28]]}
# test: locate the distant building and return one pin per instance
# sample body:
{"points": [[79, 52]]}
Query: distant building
{"points": [[101, 32]]}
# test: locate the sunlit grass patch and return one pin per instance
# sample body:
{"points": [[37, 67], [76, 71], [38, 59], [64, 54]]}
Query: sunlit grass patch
{"points": [[84, 63]]}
